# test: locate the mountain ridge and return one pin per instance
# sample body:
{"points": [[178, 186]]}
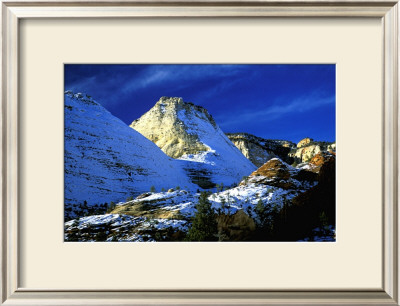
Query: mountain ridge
{"points": [[188, 132], [105, 160]]}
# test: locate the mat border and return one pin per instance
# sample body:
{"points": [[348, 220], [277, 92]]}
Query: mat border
{"points": [[14, 11]]}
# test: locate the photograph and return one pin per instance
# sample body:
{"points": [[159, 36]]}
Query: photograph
{"points": [[200, 153]]}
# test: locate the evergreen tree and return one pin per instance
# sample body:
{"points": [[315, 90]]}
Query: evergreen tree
{"points": [[266, 218], [204, 225], [261, 212], [223, 202], [152, 189], [110, 207]]}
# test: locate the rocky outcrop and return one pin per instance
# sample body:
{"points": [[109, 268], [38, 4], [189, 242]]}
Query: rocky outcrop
{"points": [[331, 148], [320, 159], [254, 152], [279, 174], [304, 142], [189, 133], [307, 148], [106, 161], [273, 169], [304, 154], [259, 150]]}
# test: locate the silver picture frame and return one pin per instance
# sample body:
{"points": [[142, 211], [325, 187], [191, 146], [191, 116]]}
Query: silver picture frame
{"points": [[13, 11]]}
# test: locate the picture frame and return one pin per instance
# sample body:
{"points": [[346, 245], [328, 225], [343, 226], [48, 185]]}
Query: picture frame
{"points": [[13, 12]]}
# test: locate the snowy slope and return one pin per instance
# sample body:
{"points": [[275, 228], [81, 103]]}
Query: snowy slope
{"points": [[234, 199], [121, 226], [106, 161], [168, 215], [188, 132], [118, 227]]}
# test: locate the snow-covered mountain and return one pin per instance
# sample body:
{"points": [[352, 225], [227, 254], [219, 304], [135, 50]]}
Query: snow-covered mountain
{"points": [[189, 133], [106, 160]]}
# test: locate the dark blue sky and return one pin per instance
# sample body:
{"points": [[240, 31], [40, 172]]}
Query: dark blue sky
{"points": [[271, 101]]}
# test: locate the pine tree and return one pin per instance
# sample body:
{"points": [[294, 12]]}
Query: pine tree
{"points": [[223, 202], [110, 207], [204, 224], [260, 211], [265, 220]]}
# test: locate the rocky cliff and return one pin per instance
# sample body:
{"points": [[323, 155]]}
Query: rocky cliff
{"points": [[307, 148], [259, 150], [189, 133]]}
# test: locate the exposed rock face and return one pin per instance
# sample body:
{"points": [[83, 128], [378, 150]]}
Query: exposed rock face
{"points": [[255, 153], [106, 161], [188, 132], [284, 143], [308, 148], [331, 148], [259, 150], [277, 173], [275, 168], [304, 142], [165, 124], [320, 159], [304, 154]]}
